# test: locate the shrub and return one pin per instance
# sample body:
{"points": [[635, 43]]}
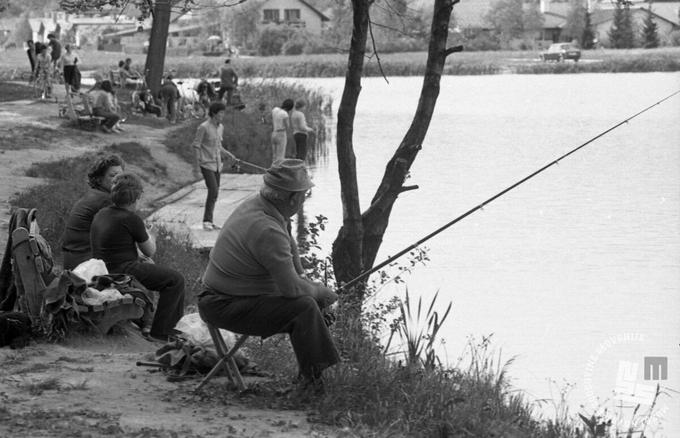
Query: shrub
{"points": [[272, 39]]}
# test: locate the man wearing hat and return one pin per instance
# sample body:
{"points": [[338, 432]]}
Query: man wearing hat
{"points": [[254, 282]]}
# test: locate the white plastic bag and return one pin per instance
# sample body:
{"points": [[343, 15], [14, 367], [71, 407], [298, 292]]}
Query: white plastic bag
{"points": [[196, 332], [94, 297], [90, 268]]}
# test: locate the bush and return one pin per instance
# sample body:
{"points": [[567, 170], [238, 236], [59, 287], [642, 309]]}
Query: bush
{"points": [[272, 39], [482, 41], [674, 38]]}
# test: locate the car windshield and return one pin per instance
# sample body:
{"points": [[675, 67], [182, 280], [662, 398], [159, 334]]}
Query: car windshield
{"points": [[558, 47]]}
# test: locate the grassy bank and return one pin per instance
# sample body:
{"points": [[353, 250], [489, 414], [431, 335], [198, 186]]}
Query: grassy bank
{"points": [[394, 64]]}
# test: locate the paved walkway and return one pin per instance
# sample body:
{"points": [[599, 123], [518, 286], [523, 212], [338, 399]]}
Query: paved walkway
{"points": [[182, 211]]}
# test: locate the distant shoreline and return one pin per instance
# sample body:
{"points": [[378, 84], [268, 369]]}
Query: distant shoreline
{"points": [[663, 59]]}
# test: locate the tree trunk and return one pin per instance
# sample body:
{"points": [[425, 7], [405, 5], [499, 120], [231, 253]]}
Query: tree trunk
{"points": [[347, 246], [155, 57], [371, 225]]}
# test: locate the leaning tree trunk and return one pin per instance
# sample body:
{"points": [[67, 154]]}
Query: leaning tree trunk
{"points": [[155, 57], [347, 248], [360, 237]]}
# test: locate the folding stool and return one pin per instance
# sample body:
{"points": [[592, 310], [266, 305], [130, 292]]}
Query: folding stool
{"points": [[226, 359]]}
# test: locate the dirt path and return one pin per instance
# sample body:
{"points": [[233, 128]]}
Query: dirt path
{"points": [[91, 385]]}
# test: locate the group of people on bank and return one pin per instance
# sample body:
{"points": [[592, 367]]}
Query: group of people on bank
{"points": [[46, 59], [253, 283]]}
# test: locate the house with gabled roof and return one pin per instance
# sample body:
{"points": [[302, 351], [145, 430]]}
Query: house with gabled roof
{"points": [[602, 20], [293, 13]]}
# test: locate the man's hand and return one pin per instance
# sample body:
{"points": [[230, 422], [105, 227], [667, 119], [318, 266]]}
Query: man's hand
{"points": [[325, 296]]}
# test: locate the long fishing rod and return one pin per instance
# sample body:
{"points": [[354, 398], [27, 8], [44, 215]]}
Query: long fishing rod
{"points": [[494, 197]]}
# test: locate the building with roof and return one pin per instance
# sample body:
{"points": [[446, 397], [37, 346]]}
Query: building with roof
{"points": [[602, 20], [471, 14], [294, 13]]}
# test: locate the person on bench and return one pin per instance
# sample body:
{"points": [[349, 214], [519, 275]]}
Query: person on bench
{"points": [[76, 238], [105, 106], [254, 282], [117, 234]]}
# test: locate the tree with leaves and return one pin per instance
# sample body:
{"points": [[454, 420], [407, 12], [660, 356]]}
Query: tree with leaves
{"points": [[575, 20], [511, 19], [588, 36], [621, 34], [650, 32]]}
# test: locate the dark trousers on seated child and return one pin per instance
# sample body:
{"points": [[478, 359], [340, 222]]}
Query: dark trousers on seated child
{"points": [[170, 287]]}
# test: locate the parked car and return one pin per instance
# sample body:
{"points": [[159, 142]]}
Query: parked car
{"points": [[561, 51]]}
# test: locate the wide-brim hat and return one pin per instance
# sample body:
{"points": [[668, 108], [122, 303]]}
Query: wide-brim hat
{"points": [[290, 175]]}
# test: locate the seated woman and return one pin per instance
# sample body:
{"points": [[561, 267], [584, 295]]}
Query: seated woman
{"points": [[117, 233], [76, 238], [105, 106]]}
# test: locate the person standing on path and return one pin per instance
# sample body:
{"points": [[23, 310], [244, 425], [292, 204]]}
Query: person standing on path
{"points": [[30, 51], [69, 62], [228, 81], [55, 45], [300, 129], [208, 148], [170, 96], [280, 124]]}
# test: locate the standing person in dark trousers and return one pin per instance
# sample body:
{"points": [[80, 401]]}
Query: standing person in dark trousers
{"points": [[300, 129], [76, 239], [117, 234], [55, 44], [228, 81], [30, 51], [69, 62], [208, 148], [254, 281], [170, 96]]}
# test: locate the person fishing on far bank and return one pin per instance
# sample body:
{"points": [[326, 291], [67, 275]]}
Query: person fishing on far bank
{"points": [[228, 81], [208, 151]]}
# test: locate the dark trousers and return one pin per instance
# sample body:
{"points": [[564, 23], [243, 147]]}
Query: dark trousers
{"points": [[153, 109], [73, 259], [266, 315], [171, 108], [300, 145], [229, 91], [110, 118], [212, 182], [170, 287]]}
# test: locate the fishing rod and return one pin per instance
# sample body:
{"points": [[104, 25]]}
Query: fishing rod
{"points": [[494, 197]]}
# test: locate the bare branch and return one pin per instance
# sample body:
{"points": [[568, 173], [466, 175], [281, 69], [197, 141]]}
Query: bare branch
{"points": [[407, 188], [453, 49], [375, 49]]}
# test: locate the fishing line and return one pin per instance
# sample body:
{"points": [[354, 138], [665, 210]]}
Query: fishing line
{"points": [[496, 196]]}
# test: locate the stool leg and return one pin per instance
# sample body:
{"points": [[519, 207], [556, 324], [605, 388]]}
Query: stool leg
{"points": [[226, 360]]}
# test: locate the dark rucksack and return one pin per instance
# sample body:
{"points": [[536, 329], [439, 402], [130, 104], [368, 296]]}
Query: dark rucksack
{"points": [[15, 329]]}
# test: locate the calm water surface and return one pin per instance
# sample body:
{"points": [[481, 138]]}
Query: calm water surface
{"points": [[575, 273]]}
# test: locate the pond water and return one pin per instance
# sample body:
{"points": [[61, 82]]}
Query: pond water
{"points": [[576, 273]]}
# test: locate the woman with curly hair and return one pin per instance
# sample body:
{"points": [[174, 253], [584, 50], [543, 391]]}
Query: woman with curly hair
{"points": [[117, 235], [76, 238]]}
